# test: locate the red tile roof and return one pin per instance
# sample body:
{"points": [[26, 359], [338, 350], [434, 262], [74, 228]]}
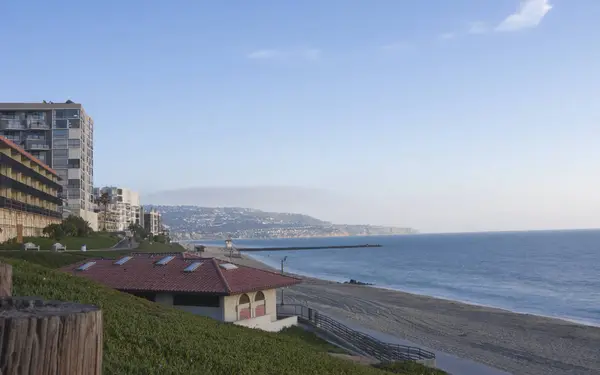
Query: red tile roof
{"points": [[142, 274], [12, 145]]}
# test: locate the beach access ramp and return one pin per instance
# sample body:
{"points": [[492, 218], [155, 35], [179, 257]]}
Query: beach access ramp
{"points": [[361, 342]]}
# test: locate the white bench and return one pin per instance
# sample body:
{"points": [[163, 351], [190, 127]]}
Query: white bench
{"points": [[59, 247], [30, 246]]}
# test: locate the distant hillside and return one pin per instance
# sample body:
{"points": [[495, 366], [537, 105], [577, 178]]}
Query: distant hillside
{"points": [[193, 222]]}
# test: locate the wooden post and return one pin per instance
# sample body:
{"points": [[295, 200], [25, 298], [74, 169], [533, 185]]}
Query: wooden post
{"points": [[5, 280], [49, 337]]}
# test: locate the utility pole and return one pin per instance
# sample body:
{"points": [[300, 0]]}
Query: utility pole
{"points": [[282, 262]]}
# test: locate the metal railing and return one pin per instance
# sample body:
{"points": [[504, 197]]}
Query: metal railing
{"points": [[371, 346]]}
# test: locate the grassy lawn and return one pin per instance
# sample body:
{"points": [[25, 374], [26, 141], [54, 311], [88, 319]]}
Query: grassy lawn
{"points": [[142, 337], [95, 241], [158, 247]]}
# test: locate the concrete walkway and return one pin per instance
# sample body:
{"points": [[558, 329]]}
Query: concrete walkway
{"points": [[444, 361]]}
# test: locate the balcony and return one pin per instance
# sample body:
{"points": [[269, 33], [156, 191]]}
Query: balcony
{"points": [[12, 125], [40, 125], [36, 145]]}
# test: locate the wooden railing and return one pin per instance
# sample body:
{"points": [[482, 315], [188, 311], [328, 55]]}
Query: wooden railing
{"points": [[371, 346]]}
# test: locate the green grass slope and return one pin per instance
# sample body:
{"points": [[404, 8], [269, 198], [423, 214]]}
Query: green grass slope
{"points": [[95, 241], [146, 338]]}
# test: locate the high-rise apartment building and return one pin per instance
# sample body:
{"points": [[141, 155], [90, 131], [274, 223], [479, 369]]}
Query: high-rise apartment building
{"points": [[62, 136], [124, 206]]}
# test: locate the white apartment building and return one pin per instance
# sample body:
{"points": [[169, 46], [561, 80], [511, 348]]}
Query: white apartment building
{"points": [[124, 208], [60, 135], [152, 222]]}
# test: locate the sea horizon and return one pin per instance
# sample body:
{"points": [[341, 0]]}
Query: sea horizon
{"points": [[459, 269]]}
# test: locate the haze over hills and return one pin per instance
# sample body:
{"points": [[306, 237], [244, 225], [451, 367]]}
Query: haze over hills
{"points": [[325, 204], [192, 222]]}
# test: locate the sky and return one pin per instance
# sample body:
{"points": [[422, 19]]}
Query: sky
{"points": [[463, 115]]}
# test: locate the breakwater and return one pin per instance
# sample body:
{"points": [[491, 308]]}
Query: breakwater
{"points": [[306, 247]]}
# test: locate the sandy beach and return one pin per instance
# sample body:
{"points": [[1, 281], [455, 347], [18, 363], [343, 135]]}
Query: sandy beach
{"points": [[517, 343]]}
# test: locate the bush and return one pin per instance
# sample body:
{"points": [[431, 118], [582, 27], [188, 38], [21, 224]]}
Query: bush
{"points": [[72, 226], [142, 337]]}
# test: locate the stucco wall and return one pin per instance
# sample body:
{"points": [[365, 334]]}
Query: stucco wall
{"points": [[211, 312], [229, 310], [164, 299], [266, 324], [230, 305]]}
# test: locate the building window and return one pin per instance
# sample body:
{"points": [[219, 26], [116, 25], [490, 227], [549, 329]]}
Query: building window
{"points": [[60, 134], [196, 300], [74, 163], [60, 124], [74, 183], [74, 143], [59, 162], [71, 113], [60, 153]]}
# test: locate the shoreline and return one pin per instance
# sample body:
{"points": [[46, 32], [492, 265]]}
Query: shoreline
{"points": [[504, 340], [448, 299], [473, 303]]}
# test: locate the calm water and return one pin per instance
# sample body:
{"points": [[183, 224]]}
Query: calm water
{"points": [[545, 273]]}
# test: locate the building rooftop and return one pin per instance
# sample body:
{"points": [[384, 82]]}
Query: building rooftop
{"points": [[178, 272], [11, 144]]}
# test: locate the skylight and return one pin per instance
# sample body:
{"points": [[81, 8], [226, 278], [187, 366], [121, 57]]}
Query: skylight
{"points": [[228, 266], [165, 260], [85, 266], [122, 261], [192, 267]]}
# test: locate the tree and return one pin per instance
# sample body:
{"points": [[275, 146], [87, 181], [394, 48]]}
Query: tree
{"points": [[74, 226], [138, 231], [55, 231], [104, 200]]}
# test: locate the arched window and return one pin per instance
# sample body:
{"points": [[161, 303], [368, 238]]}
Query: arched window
{"points": [[259, 299], [244, 299], [244, 307], [260, 296]]}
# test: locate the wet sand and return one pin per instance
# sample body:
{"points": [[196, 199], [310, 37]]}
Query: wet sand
{"points": [[517, 343]]}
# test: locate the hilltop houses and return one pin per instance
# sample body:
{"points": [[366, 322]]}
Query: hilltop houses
{"points": [[205, 286]]}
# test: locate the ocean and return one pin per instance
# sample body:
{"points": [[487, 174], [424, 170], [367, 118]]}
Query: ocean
{"points": [[548, 273]]}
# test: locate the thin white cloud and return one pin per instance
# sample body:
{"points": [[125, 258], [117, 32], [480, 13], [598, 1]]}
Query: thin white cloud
{"points": [[310, 54], [447, 36], [478, 28], [264, 54], [399, 46], [529, 14]]}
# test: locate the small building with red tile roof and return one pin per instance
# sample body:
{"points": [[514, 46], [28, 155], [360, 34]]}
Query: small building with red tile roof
{"points": [[206, 286]]}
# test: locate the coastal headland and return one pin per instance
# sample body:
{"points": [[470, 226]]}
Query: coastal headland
{"points": [[521, 344], [250, 249]]}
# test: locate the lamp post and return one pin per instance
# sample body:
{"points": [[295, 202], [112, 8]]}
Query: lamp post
{"points": [[282, 262]]}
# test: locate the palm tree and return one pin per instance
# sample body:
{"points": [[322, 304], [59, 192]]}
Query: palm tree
{"points": [[104, 200]]}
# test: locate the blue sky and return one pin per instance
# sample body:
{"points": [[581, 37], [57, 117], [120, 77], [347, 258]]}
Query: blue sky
{"points": [[454, 115]]}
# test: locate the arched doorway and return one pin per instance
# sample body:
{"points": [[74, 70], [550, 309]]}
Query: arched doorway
{"points": [[260, 304], [244, 307]]}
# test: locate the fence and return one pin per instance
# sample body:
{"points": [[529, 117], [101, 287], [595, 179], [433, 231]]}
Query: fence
{"points": [[371, 346]]}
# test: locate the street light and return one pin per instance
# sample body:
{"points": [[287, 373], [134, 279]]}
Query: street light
{"points": [[282, 262]]}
